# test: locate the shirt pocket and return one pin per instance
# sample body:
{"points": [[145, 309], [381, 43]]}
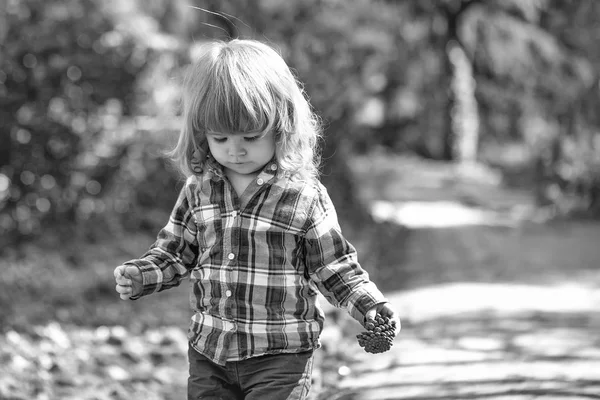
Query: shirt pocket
{"points": [[209, 225]]}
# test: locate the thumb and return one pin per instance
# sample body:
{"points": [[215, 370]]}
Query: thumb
{"points": [[132, 271], [370, 315]]}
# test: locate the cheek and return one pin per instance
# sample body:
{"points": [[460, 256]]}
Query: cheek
{"points": [[267, 153], [214, 147], [270, 148]]}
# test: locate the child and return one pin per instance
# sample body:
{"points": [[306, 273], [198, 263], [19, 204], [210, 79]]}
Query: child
{"points": [[254, 230]]}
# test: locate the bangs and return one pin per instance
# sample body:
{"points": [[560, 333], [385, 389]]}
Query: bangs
{"points": [[236, 106]]}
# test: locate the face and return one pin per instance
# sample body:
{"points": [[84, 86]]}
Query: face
{"points": [[242, 153]]}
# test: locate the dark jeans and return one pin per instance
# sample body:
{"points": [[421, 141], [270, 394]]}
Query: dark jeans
{"points": [[272, 377]]}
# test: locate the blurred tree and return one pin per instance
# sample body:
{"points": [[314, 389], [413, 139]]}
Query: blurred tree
{"points": [[534, 67], [460, 130], [574, 171], [532, 83], [89, 93], [67, 74]]}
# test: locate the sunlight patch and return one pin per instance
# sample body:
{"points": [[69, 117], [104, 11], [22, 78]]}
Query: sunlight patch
{"points": [[431, 214], [429, 303]]}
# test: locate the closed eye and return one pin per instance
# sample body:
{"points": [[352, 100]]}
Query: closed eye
{"points": [[219, 140], [252, 138]]}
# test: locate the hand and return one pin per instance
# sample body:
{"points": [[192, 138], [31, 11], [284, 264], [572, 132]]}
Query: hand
{"points": [[129, 281], [385, 310]]}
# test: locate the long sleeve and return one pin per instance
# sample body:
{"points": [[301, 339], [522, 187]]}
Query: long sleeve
{"points": [[333, 264], [174, 254]]}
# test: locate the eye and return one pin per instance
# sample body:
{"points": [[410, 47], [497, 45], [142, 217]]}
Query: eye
{"points": [[251, 138], [219, 140]]}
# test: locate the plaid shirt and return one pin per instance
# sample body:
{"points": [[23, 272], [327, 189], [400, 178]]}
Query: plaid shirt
{"points": [[257, 263]]}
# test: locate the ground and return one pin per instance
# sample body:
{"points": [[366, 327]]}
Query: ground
{"points": [[485, 341]]}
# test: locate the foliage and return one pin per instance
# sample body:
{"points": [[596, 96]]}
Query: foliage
{"points": [[68, 76], [103, 363], [549, 67], [89, 94]]}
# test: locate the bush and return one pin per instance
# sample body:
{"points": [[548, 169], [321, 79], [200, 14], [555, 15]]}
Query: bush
{"points": [[68, 75]]}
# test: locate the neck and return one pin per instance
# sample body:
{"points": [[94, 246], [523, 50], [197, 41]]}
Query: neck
{"points": [[240, 181]]}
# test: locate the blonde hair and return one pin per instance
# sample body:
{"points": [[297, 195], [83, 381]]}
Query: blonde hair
{"points": [[246, 86]]}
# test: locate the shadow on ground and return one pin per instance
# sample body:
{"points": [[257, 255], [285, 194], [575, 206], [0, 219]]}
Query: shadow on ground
{"points": [[478, 355]]}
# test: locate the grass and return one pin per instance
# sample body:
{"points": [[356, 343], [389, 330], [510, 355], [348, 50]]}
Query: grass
{"points": [[75, 284]]}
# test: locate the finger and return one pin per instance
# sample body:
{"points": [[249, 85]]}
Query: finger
{"points": [[397, 326], [388, 311], [119, 271], [370, 315], [385, 310], [125, 294], [394, 317], [123, 280], [123, 289]]}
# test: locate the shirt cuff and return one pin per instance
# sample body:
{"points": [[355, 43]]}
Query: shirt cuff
{"points": [[363, 299], [152, 277]]}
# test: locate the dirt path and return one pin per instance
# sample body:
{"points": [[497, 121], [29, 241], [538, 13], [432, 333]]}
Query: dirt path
{"points": [[514, 343]]}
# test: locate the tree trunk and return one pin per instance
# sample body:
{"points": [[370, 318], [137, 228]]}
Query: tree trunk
{"points": [[448, 133], [461, 128], [464, 115]]}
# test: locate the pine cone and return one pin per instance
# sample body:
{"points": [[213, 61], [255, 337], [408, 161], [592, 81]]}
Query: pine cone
{"points": [[379, 336]]}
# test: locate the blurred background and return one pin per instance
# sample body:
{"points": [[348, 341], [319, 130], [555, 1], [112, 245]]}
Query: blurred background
{"points": [[461, 151]]}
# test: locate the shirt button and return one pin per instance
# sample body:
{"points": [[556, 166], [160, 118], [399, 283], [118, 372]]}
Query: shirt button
{"points": [[260, 181], [231, 256], [234, 213], [273, 167], [228, 293]]}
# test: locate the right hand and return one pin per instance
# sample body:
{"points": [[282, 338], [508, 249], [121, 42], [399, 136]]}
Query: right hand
{"points": [[129, 281]]}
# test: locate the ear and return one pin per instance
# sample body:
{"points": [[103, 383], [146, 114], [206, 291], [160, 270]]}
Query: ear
{"points": [[196, 162]]}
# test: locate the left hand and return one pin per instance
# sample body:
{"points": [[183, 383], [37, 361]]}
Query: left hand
{"points": [[385, 310]]}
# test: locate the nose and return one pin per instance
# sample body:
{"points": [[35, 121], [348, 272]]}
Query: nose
{"points": [[237, 148]]}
